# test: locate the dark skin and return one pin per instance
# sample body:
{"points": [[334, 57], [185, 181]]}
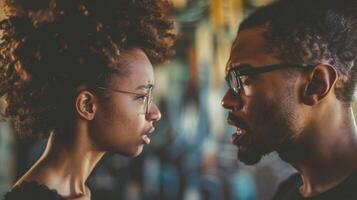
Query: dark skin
{"points": [[319, 135], [119, 125]]}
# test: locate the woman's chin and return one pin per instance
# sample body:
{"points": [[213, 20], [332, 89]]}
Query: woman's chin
{"points": [[132, 152], [137, 151]]}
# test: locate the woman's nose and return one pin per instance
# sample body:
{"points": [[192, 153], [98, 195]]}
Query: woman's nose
{"points": [[154, 113]]}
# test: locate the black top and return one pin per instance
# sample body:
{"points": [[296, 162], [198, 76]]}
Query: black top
{"points": [[289, 190], [32, 190]]}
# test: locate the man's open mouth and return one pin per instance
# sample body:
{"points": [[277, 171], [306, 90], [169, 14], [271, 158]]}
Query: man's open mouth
{"points": [[241, 131], [239, 136]]}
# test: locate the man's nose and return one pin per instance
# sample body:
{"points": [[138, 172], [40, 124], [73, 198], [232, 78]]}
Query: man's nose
{"points": [[231, 101]]}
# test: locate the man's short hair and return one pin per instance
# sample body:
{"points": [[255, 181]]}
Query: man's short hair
{"points": [[313, 31]]}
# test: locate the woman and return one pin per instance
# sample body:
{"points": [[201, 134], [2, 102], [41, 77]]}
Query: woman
{"points": [[79, 73]]}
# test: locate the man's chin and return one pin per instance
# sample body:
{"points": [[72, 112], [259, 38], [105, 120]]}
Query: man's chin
{"points": [[250, 157]]}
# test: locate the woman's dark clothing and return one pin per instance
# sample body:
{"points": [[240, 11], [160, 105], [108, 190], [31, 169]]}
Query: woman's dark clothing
{"points": [[32, 191]]}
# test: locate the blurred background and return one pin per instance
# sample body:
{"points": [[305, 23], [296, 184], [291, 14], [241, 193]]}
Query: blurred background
{"points": [[190, 156]]}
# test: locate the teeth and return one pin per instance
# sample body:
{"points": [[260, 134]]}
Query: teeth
{"points": [[146, 139], [239, 131]]}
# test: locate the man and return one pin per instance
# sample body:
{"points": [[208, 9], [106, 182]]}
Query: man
{"points": [[291, 78]]}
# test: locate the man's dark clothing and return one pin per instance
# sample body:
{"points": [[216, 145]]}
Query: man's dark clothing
{"points": [[289, 190]]}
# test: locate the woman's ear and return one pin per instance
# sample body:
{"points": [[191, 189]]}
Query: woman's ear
{"points": [[86, 105], [321, 80]]}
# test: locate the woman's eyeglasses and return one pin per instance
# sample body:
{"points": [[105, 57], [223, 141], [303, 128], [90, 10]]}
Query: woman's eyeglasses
{"points": [[148, 95]]}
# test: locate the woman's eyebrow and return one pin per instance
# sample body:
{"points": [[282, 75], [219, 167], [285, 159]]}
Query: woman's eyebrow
{"points": [[147, 86]]}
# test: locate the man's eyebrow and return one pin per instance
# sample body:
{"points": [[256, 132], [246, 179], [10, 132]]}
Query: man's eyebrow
{"points": [[147, 86], [241, 66]]}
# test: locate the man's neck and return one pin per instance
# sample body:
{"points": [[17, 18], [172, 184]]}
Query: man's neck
{"points": [[329, 154]]}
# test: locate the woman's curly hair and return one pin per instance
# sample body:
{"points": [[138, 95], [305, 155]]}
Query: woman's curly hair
{"points": [[49, 48]]}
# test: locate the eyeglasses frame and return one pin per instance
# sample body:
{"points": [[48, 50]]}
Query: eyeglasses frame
{"points": [[148, 99], [237, 73]]}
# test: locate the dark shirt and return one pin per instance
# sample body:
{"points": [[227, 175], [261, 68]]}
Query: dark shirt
{"points": [[32, 191], [289, 190]]}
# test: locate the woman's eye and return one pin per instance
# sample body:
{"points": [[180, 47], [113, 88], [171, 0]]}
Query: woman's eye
{"points": [[142, 97]]}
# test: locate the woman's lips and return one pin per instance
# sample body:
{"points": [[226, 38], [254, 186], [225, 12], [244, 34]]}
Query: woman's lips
{"points": [[152, 129], [145, 137]]}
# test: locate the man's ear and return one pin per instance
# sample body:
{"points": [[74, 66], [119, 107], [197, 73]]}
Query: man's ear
{"points": [[86, 105], [321, 80]]}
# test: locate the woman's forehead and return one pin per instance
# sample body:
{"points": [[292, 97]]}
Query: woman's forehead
{"points": [[138, 67]]}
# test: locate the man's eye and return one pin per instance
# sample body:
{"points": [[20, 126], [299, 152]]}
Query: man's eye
{"points": [[245, 80]]}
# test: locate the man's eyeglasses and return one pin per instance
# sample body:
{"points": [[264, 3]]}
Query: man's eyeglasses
{"points": [[147, 97], [238, 73]]}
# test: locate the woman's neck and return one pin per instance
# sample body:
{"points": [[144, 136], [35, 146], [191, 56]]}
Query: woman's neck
{"points": [[65, 164]]}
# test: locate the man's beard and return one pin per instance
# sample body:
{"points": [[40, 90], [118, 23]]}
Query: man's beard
{"points": [[278, 131], [249, 157], [252, 155]]}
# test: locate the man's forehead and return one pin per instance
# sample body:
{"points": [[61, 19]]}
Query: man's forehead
{"points": [[248, 46], [248, 38]]}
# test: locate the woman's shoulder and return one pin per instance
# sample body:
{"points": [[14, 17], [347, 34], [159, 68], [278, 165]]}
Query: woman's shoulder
{"points": [[32, 190]]}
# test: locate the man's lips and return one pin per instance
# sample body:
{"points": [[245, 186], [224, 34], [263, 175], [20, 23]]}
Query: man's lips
{"points": [[239, 136], [236, 121]]}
